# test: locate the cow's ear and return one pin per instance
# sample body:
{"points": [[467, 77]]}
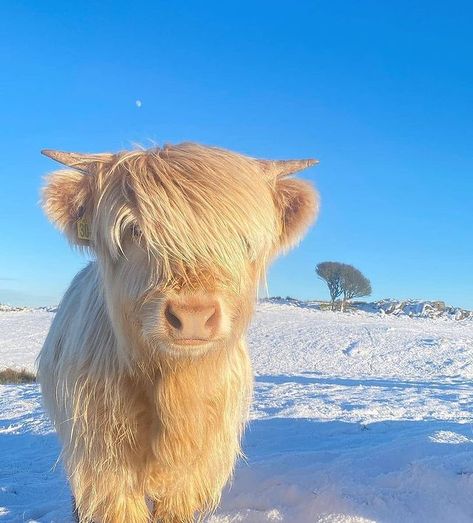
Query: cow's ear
{"points": [[68, 203], [298, 204], [68, 195]]}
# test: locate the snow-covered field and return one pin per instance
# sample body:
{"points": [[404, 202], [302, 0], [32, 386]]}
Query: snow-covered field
{"points": [[357, 418]]}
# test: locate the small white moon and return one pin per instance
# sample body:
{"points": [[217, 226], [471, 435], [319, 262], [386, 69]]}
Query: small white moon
{"points": [[138, 103]]}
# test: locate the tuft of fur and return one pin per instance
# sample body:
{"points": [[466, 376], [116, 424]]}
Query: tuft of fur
{"points": [[137, 419]]}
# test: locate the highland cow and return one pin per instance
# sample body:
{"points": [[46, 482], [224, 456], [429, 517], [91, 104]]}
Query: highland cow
{"points": [[145, 371]]}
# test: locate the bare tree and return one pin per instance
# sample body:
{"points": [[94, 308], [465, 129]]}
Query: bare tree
{"points": [[353, 284], [331, 273], [343, 280]]}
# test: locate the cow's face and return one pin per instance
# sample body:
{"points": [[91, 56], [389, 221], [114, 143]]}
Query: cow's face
{"points": [[182, 235]]}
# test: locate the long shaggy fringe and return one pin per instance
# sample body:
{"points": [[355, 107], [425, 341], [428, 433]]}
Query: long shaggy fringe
{"points": [[177, 200]]}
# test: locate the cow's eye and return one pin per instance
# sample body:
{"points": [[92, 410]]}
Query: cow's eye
{"points": [[136, 231]]}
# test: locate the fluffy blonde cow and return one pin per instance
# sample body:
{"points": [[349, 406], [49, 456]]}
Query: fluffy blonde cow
{"points": [[145, 371]]}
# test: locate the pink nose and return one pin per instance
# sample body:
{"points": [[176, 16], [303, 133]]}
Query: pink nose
{"points": [[192, 319]]}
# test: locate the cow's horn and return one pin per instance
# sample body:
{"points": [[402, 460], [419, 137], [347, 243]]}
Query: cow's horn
{"points": [[280, 168], [81, 161]]}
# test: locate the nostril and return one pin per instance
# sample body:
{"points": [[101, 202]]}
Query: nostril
{"points": [[212, 319], [172, 318]]}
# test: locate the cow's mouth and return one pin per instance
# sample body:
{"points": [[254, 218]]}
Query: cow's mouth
{"points": [[191, 342]]}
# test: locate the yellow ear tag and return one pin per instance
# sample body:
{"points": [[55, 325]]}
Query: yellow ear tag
{"points": [[83, 229]]}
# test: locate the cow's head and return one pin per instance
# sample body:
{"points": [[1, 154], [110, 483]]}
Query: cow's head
{"points": [[182, 236]]}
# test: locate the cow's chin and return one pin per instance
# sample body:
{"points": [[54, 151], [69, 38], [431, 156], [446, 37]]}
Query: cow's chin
{"points": [[178, 348]]}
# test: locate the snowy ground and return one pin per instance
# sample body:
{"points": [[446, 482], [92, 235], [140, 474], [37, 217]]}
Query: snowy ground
{"points": [[356, 418]]}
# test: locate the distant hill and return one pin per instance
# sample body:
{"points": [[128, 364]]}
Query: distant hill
{"points": [[410, 308], [10, 308]]}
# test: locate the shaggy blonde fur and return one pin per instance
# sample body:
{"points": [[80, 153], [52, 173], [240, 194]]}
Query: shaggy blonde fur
{"points": [[140, 418]]}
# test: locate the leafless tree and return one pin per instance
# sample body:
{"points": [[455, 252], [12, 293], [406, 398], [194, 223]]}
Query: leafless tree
{"points": [[331, 273], [353, 283], [343, 280]]}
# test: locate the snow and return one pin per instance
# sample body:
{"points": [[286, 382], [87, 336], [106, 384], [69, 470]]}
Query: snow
{"points": [[21, 335], [357, 417]]}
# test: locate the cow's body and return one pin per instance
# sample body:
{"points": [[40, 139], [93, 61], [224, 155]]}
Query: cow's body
{"points": [[149, 383]]}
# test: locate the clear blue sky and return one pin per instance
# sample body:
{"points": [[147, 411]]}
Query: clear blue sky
{"points": [[380, 92]]}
